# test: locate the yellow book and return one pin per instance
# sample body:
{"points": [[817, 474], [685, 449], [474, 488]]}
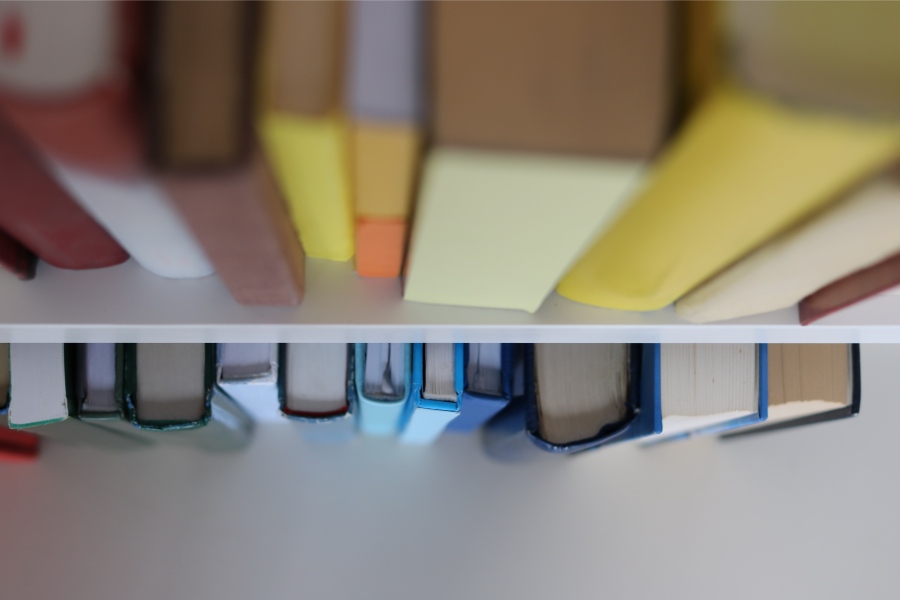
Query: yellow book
{"points": [[497, 230], [310, 158], [741, 171]]}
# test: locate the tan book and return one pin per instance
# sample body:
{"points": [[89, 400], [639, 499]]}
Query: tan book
{"points": [[199, 82], [810, 383], [303, 54], [241, 220], [589, 78]]}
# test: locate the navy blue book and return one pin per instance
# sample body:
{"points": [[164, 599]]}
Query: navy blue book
{"points": [[616, 399], [487, 384], [808, 384]]}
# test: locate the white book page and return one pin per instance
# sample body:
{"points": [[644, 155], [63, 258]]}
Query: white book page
{"points": [[439, 380], [316, 378], [483, 371], [245, 361], [38, 377], [170, 382], [100, 378], [384, 375]]}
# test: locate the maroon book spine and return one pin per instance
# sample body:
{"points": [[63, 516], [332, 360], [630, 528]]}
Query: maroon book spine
{"points": [[850, 290], [35, 210]]}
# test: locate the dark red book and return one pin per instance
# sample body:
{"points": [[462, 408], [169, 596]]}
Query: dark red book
{"points": [[16, 258], [35, 210], [850, 290], [18, 445]]}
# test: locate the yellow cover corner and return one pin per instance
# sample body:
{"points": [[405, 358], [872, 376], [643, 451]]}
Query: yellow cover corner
{"points": [[741, 171], [310, 159]]}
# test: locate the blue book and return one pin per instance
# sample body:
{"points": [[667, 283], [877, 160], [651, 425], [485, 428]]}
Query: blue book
{"points": [[317, 390], [428, 414], [481, 402], [515, 433], [711, 377], [380, 408]]}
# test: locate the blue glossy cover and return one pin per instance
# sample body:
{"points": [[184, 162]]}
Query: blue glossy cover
{"points": [[514, 435], [327, 428], [424, 420], [376, 416], [477, 408], [762, 373]]}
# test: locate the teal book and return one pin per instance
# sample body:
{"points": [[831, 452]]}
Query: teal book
{"points": [[170, 389], [383, 377], [437, 385]]}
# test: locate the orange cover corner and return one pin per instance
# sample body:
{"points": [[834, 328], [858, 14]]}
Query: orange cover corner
{"points": [[380, 244]]}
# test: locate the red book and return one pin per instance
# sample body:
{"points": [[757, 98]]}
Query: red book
{"points": [[16, 258], [35, 210], [18, 445], [850, 290]]}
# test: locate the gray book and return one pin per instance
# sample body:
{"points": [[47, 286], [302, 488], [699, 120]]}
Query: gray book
{"points": [[386, 61]]}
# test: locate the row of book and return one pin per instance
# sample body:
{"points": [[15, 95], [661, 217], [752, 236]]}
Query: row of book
{"points": [[558, 398], [731, 157]]}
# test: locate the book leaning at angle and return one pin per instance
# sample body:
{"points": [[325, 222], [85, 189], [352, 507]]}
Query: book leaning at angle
{"points": [[857, 232], [851, 289], [436, 396], [14, 445], [317, 391], [579, 397], [774, 165], [497, 230], [488, 384], [170, 389], [383, 380], [810, 383], [711, 388], [248, 373]]}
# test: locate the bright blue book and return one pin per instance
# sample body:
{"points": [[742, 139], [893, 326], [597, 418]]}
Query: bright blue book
{"points": [[690, 371], [380, 409], [481, 400], [317, 390], [514, 434], [428, 414]]}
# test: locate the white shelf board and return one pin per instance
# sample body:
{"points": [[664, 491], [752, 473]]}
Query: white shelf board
{"points": [[128, 304]]}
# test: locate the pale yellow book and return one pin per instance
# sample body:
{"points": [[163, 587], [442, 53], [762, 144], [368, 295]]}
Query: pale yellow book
{"points": [[498, 229], [857, 232], [742, 170], [310, 158]]}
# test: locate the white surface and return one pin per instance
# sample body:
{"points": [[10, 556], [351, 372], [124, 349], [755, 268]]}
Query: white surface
{"points": [[809, 513], [128, 304]]}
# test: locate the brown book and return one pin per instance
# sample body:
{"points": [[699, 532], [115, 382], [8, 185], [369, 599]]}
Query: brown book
{"points": [[850, 290], [589, 78], [240, 219], [200, 82], [303, 55]]}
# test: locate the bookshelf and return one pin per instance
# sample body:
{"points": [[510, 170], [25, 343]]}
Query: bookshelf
{"points": [[128, 304], [704, 519]]}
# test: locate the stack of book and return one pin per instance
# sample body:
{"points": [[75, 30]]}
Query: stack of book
{"points": [[729, 157], [523, 398]]}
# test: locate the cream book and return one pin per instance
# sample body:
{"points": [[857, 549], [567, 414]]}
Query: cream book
{"points": [[708, 388], [856, 233], [498, 230]]}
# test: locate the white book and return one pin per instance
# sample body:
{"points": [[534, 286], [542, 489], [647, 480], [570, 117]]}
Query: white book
{"points": [[248, 373], [38, 385], [316, 379], [706, 386], [859, 231], [99, 379], [141, 218]]}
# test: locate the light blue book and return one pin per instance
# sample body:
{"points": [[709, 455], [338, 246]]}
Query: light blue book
{"points": [[383, 384], [437, 387]]}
